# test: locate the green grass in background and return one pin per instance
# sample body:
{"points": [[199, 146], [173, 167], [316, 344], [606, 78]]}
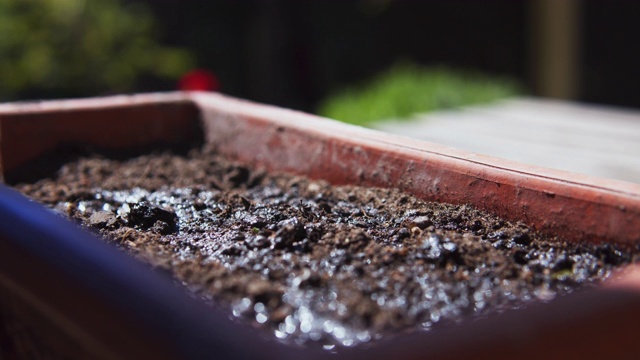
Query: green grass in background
{"points": [[59, 48], [406, 89]]}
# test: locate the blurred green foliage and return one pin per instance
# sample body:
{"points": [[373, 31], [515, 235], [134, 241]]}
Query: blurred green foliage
{"points": [[58, 48], [406, 89]]}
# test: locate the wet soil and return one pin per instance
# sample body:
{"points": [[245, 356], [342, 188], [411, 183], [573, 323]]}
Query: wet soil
{"points": [[314, 263]]}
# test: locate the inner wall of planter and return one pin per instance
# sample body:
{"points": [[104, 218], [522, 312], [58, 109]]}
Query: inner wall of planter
{"points": [[35, 143]]}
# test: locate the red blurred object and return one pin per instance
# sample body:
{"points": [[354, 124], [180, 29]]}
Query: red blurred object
{"points": [[199, 79]]}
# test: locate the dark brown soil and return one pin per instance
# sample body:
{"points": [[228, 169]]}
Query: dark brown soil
{"points": [[311, 262]]}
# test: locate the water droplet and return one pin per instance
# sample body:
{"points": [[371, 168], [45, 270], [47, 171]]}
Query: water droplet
{"points": [[363, 336], [241, 307], [328, 326], [305, 326], [435, 317], [348, 342], [258, 307], [261, 318], [339, 332], [299, 279]]}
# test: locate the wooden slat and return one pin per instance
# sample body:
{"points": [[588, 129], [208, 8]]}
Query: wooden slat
{"points": [[584, 139]]}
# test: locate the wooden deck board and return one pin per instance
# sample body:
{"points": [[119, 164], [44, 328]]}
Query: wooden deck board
{"points": [[586, 139]]}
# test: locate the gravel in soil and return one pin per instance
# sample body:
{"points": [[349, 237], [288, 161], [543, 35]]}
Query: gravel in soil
{"points": [[314, 263]]}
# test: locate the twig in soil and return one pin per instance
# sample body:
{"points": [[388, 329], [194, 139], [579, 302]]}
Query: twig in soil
{"points": [[143, 175]]}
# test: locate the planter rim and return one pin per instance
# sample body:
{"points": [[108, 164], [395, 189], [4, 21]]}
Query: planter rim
{"points": [[341, 130], [88, 103], [315, 123]]}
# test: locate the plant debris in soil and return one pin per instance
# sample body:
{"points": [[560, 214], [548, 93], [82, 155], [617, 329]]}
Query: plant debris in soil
{"points": [[314, 263]]}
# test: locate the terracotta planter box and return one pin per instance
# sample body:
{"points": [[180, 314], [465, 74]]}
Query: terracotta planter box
{"points": [[83, 298]]}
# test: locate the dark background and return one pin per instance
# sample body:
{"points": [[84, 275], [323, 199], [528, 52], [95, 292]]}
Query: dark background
{"points": [[293, 53]]}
